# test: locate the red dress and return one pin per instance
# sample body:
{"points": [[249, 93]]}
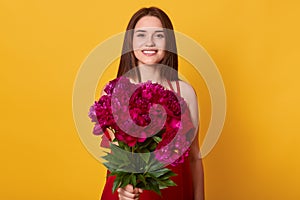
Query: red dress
{"points": [[183, 190]]}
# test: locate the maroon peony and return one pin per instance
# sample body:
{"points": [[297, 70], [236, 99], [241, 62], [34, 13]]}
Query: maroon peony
{"points": [[139, 109]]}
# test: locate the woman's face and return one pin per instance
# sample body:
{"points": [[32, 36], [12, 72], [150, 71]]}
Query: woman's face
{"points": [[149, 41]]}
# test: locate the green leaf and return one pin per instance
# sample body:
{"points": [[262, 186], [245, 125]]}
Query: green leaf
{"points": [[148, 187], [144, 151], [162, 187], [157, 139], [113, 173], [125, 180], [160, 172], [145, 157], [118, 180], [165, 183], [141, 178], [116, 184], [118, 174], [133, 180], [155, 166], [152, 147], [124, 146], [167, 175], [117, 151], [161, 132], [127, 148], [153, 160], [144, 144], [112, 159], [170, 183], [110, 166], [121, 144], [154, 186]]}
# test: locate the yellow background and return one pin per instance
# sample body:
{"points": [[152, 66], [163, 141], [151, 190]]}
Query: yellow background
{"points": [[255, 45]]}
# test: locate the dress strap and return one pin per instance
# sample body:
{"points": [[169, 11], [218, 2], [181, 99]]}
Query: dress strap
{"points": [[170, 85], [177, 85]]}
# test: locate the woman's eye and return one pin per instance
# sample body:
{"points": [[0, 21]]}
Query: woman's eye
{"points": [[159, 35], [140, 35]]}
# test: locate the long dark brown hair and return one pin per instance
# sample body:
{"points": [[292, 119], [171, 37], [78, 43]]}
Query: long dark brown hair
{"points": [[128, 60]]}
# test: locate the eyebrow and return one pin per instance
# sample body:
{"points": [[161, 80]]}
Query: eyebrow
{"points": [[140, 31], [143, 31]]}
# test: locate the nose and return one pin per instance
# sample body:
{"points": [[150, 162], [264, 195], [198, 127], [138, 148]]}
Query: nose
{"points": [[150, 42]]}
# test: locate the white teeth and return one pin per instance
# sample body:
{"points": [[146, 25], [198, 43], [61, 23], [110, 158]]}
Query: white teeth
{"points": [[149, 51]]}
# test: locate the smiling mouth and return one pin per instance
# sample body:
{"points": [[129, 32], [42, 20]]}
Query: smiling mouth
{"points": [[149, 52]]}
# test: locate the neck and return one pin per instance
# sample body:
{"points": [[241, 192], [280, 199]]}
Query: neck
{"points": [[150, 72]]}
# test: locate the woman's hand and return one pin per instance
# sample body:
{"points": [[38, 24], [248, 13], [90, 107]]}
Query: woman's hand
{"points": [[128, 193]]}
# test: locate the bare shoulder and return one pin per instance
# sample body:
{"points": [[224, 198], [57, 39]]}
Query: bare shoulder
{"points": [[187, 92]]}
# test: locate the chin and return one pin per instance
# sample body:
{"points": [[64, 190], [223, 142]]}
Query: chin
{"points": [[149, 63]]}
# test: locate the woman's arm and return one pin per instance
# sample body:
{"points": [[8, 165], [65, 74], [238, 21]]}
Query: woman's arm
{"points": [[197, 170], [196, 165]]}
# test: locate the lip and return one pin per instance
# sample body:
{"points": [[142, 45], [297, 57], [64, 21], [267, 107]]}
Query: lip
{"points": [[149, 52]]}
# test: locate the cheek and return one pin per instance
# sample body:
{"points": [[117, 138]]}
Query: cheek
{"points": [[136, 44], [136, 54], [162, 55], [161, 44]]}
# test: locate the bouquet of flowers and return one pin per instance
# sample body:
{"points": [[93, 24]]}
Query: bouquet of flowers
{"points": [[151, 128]]}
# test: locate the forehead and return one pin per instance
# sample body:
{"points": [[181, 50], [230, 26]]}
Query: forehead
{"points": [[148, 22]]}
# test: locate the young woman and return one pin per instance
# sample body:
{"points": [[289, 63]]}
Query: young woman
{"points": [[149, 43]]}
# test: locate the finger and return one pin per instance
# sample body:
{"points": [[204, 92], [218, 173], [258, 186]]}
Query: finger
{"points": [[125, 198], [140, 190], [129, 188], [121, 197], [137, 190], [125, 194]]}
